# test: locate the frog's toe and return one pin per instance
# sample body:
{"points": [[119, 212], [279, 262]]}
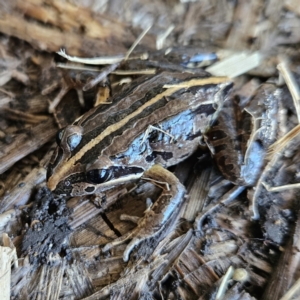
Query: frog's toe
{"points": [[133, 219], [141, 234], [134, 242]]}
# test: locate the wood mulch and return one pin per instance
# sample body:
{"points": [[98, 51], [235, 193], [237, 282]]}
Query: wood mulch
{"points": [[227, 242]]}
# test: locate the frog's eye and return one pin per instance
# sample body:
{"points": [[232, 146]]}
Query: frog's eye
{"points": [[73, 141], [98, 175], [69, 138]]}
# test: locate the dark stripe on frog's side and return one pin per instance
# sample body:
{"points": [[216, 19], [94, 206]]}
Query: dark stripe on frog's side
{"points": [[165, 156]]}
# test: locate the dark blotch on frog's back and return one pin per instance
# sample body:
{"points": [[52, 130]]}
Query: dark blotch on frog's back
{"points": [[165, 156]]}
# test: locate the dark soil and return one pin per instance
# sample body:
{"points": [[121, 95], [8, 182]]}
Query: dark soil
{"points": [[48, 231]]}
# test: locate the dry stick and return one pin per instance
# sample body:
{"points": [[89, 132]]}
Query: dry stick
{"points": [[292, 291], [137, 41], [113, 60], [96, 69], [276, 148], [224, 283], [149, 71], [22, 116], [161, 38], [75, 66], [10, 94], [281, 187], [64, 90], [105, 72], [292, 85], [103, 60], [283, 141], [108, 60], [258, 187], [295, 92]]}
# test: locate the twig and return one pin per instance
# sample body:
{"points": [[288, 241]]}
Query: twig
{"points": [[135, 72], [291, 84], [105, 72], [281, 187], [283, 141], [224, 283], [108, 60], [161, 38], [95, 69], [137, 41], [292, 291]]}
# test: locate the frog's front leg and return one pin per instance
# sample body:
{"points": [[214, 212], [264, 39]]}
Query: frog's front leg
{"points": [[157, 216]]}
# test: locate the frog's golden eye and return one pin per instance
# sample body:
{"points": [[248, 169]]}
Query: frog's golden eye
{"points": [[97, 176]]}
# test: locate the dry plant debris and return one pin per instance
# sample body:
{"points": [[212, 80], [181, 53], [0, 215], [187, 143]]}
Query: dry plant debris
{"points": [[227, 241]]}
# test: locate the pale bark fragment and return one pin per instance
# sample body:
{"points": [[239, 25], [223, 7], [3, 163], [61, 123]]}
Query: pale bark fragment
{"points": [[8, 257]]}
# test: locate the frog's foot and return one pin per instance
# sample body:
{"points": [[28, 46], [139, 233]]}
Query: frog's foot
{"points": [[136, 235], [129, 218], [156, 216], [226, 199]]}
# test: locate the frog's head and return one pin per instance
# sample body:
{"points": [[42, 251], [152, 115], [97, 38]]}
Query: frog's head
{"points": [[76, 170]]}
